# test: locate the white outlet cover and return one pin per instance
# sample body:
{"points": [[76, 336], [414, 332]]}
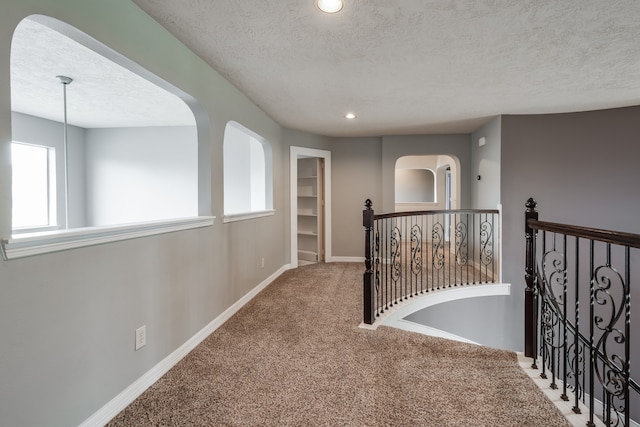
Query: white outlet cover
{"points": [[141, 337]]}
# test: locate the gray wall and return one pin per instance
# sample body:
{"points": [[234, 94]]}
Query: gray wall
{"points": [[473, 319], [582, 168], [67, 319], [485, 162], [356, 176]]}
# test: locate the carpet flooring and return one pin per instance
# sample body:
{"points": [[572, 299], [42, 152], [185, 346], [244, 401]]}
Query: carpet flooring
{"points": [[295, 356]]}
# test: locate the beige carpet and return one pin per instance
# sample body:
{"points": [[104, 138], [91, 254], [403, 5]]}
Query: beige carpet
{"points": [[295, 356]]}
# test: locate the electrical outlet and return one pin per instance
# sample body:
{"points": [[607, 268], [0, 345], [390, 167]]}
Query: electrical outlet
{"points": [[263, 262], [141, 337]]}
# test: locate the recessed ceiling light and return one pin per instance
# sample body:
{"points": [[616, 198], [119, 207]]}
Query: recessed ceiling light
{"points": [[329, 6], [350, 116]]}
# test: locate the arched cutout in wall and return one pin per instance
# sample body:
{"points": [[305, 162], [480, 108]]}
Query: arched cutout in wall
{"points": [[129, 151], [421, 183], [130, 159], [248, 174]]}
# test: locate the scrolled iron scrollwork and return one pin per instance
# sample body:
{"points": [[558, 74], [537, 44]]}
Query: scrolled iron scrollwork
{"points": [[548, 324], [554, 276], [437, 239], [612, 370], [396, 252], [486, 243], [462, 254], [576, 367], [416, 249], [376, 256]]}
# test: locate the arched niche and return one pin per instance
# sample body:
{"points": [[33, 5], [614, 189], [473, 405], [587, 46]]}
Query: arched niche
{"points": [[421, 183]]}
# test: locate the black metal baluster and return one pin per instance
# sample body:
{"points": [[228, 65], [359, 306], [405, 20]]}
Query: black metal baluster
{"points": [[543, 327], [554, 365], [447, 247], [592, 352], [627, 331], [565, 354], [576, 335], [494, 247], [476, 258]]}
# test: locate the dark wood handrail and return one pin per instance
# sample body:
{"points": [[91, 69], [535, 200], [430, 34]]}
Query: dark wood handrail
{"points": [[435, 212], [607, 236]]}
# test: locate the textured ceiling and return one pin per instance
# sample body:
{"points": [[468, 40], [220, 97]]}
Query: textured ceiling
{"points": [[414, 66], [403, 66], [102, 94]]}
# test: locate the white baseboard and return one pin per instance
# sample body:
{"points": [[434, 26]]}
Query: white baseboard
{"points": [[128, 395], [345, 259]]}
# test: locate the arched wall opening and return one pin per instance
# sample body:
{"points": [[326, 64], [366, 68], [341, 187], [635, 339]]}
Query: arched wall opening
{"points": [[412, 175]]}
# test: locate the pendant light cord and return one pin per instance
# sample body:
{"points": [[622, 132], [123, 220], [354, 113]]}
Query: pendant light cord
{"points": [[65, 81]]}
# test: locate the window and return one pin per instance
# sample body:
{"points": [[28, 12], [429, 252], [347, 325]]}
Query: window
{"points": [[33, 186], [247, 174]]}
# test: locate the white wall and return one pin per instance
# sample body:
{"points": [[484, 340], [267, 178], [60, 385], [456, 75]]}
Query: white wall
{"points": [[141, 174]]}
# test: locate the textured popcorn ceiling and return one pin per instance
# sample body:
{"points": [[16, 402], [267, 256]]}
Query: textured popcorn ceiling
{"points": [[102, 94], [414, 66], [409, 66]]}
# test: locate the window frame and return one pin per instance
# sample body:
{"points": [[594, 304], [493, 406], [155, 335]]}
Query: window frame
{"points": [[52, 217]]}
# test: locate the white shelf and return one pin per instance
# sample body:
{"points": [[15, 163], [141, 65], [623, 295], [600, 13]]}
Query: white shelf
{"points": [[308, 211], [308, 253]]}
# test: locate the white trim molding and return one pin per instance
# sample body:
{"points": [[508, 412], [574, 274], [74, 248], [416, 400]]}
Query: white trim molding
{"points": [[247, 215], [355, 259], [128, 395], [300, 153], [24, 245], [395, 317]]}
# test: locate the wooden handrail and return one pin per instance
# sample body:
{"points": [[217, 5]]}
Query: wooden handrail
{"points": [[607, 236], [435, 212]]}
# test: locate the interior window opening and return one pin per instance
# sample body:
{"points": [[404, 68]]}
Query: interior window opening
{"points": [[247, 173], [119, 148]]}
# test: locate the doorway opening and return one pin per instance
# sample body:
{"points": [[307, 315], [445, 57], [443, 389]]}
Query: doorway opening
{"points": [[310, 206]]}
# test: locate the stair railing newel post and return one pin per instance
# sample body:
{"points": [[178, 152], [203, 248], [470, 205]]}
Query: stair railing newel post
{"points": [[368, 294], [530, 306]]}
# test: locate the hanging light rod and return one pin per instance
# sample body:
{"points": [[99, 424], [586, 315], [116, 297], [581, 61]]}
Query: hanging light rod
{"points": [[65, 80]]}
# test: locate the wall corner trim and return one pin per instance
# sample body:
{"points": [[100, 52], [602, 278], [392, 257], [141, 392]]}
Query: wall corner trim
{"points": [[128, 395]]}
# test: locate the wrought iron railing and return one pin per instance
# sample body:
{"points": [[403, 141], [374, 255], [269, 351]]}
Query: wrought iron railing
{"points": [[411, 253], [578, 315]]}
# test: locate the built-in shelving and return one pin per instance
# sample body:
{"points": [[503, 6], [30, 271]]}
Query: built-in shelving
{"points": [[309, 206]]}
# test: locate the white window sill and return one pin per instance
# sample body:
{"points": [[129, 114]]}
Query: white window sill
{"points": [[247, 215], [23, 245]]}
